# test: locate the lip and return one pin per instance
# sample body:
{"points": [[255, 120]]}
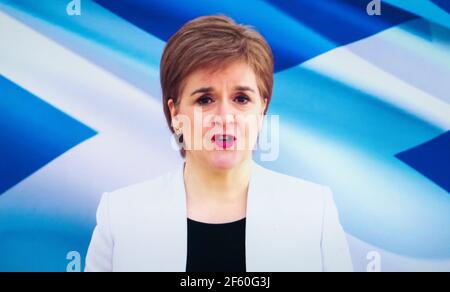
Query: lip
{"points": [[227, 140]]}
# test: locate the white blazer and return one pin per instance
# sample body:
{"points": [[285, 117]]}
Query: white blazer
{"points": [[291, 225]]}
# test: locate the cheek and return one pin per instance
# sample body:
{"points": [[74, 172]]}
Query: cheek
{"points": [[192, 118], [249, 126]]}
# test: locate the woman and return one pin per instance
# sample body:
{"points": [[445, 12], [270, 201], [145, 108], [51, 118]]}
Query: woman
{"points": [[219, 211]]}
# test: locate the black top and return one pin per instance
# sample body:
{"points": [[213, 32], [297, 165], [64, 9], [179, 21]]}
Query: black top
{"points": [[216, 247]]}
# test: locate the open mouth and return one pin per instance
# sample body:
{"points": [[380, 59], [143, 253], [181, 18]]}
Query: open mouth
{"points": [[224, 141]]}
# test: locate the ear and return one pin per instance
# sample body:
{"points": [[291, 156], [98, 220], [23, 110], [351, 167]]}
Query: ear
{"points": [[261, 116], [264, 105], [173, 114], [172, 109]]}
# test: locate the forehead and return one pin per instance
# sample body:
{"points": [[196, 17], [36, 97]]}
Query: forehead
{"points": [[237, 73]]}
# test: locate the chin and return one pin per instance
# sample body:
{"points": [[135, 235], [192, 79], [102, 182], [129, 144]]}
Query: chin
{"points": [[224, 160]]}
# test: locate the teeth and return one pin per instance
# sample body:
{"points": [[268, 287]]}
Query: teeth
{"points": [[225, 138]]}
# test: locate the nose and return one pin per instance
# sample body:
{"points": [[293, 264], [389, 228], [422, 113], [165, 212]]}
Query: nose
{"points": [[224, 114]]}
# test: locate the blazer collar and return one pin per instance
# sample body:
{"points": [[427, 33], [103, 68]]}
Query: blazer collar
{"points": [[259, 224]]}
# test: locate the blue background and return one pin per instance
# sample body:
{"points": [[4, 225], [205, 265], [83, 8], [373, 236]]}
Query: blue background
{"points": [[363, 104]]}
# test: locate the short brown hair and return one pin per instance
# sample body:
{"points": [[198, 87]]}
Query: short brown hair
{"points": [[211, 42]]}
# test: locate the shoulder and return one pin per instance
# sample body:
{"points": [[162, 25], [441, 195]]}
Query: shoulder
{"points": [[154, 191], [293, 189]]}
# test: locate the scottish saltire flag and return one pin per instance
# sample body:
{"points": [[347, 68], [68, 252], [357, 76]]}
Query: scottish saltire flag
{"points": [[363, 100]]}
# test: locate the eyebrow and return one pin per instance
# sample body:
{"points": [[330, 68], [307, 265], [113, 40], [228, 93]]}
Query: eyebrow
{"points": [[210, 89]]}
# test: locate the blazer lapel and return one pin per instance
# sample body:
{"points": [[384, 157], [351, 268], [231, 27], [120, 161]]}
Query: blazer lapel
{"points": [[178, 229], [262, 254], [261, 224]]}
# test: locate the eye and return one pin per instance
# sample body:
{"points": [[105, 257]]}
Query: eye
{"points": [[204, 100], [242, 99]]}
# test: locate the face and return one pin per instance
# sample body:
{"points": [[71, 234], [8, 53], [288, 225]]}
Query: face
{"points": [[220, 115]]}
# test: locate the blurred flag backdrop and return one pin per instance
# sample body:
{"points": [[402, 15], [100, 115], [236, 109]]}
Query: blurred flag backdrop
{"points": [[364, 106]]}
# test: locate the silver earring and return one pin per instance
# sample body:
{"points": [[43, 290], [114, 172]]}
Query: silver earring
{"points": [[177, 131], [178, 136]]}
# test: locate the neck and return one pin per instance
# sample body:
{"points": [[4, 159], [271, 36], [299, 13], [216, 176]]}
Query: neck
{"points": [[217, 184]]}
